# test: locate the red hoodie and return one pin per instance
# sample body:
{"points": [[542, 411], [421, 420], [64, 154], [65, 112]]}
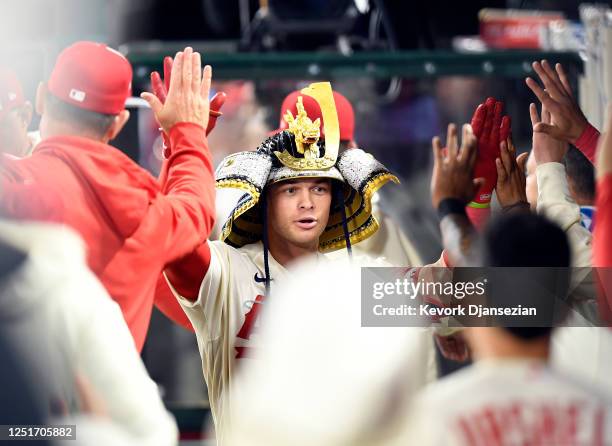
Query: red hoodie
{"points": [[602, 246], [131, 227]]}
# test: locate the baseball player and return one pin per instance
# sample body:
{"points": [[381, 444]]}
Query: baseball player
{"points": [[301, 199], [511, 395], [389, 242], [131, 226], [576, 348]]}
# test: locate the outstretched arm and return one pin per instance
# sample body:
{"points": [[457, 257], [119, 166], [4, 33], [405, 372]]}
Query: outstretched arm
{"points": [[188, 202], [452, 186], [182, 109]]}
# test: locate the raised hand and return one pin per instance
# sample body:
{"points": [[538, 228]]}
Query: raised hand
{"points": [[452, 172], [546, 149], [568, 121], [160, 89], [490, 129], [187, 99], [511, 181]]}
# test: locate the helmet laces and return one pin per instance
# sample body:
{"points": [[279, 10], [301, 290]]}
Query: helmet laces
{"points": [[347, 238]]}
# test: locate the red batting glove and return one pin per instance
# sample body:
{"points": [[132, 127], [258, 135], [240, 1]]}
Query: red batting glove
{"points": [[490, 130], [160, 89], [215, 106]]}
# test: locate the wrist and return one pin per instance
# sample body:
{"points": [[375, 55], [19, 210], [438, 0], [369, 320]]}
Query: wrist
{"points": [[479, 205], [182, 124], [577, 132], [587, 141], [181, 128], [450, 206], [548, 160], [186, 135], [519, 206]]}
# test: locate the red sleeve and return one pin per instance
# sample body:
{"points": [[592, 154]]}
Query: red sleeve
{"points": [[602, 245], [186, 274], [163, 174], [168, 304], [188, 200], [587, 142], [478, 216]]}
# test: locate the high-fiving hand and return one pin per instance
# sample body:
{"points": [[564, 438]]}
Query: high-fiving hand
{"points": [[160, 89], [187, 98], [546, 149], [511, 178], [452, 172], [490, 129], [568, 121]]}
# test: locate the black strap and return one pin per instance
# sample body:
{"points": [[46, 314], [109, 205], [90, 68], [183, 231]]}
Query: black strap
{"points": [[451, 206], [264, 210], [347, 236]]}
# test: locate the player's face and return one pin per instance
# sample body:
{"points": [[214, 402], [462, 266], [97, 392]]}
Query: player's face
{"points": [[531, 187], [298, 211]]}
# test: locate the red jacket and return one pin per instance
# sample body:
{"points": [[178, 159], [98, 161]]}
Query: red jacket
{"points": [[131, 227], [602, 246]]}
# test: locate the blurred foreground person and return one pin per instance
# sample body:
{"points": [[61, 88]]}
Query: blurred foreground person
{"points": [[320, 378], [15, 117], [602, 252], [600, 343], [511, 395], [68, 331], [131, 225]]}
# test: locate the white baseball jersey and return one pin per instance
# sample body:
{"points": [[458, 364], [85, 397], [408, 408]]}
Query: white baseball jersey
{"points": [[585, 352], [510, 402], [225, 316]]}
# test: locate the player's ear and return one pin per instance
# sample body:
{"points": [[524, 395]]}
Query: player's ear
{"points": [[118, 123]]}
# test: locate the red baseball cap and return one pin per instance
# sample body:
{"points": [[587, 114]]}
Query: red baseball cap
{"points": [[92, 76], [11, 94], [346, 116]]}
